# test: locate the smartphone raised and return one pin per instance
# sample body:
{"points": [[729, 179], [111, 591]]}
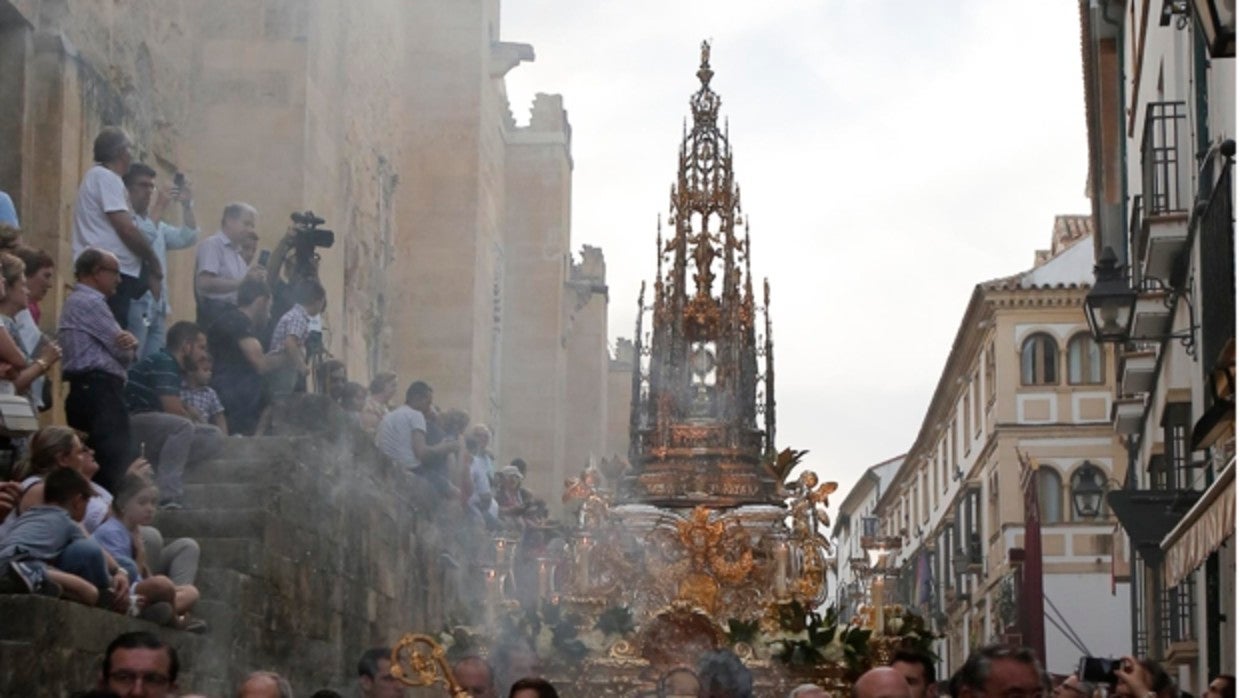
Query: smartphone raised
{"points": [[264, 257], [1098, 670]]}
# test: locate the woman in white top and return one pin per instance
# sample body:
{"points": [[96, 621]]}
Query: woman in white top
{"points": [[60, 447], [25, 363]]}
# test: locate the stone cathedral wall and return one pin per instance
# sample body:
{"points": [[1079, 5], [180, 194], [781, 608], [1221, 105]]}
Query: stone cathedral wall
{"points": [[454, 253], [286, 104]]}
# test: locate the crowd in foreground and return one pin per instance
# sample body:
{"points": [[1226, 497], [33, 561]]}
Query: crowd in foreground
{"points": [[139, 665], [149, 396]]}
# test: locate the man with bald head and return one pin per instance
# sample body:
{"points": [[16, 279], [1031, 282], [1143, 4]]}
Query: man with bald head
{"points": [[475, 676], [265, 684], [882, 682], [807, 690]]}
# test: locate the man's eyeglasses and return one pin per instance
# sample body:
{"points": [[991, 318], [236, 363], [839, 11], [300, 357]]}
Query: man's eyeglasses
{"points": [[129, 678], [110, 270]]}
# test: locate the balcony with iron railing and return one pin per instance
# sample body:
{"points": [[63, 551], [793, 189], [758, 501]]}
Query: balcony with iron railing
{"points": [[1160, 220]]}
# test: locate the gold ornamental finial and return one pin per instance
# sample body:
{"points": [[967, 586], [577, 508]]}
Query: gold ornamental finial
{"points": [[704, 72]]}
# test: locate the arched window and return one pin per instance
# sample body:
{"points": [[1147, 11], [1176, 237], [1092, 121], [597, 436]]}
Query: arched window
{"points": [[1084, 360], [1050, 495], [1039, 360]]}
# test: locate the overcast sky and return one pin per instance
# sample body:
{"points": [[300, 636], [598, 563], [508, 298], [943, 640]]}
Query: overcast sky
{"points": [[890, 154]]}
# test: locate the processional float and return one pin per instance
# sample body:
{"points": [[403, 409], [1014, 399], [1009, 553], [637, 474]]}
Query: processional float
{"points": [[701, 542]]}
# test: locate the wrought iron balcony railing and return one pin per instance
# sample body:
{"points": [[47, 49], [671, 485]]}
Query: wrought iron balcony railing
{"points": [[1164, 146], [1165, 167]]}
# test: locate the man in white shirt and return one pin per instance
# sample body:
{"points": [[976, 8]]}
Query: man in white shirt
{"points": [[221, 266], [103, 219], [402, 434]]}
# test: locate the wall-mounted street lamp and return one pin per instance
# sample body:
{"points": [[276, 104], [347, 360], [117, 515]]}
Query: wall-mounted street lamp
{"points": [[1089, 484], [1111, 304]]}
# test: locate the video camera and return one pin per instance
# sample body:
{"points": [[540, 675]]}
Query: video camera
{"points": [[308, 235]]}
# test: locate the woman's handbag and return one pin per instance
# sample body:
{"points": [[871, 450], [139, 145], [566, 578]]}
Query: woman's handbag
{"points": [[17, 417]]}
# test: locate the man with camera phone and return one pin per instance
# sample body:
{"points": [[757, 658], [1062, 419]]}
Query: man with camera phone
{"points": [[221, 267]]}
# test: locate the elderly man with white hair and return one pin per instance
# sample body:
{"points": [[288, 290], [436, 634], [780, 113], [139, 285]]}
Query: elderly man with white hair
{"points": [[265, 684], [807, 690], [221, 267], [482, 504]]}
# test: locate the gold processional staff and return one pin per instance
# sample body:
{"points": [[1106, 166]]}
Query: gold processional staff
{"points": [[418, 660]]}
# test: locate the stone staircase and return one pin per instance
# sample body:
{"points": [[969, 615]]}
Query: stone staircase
{"points": [[314, 549]]}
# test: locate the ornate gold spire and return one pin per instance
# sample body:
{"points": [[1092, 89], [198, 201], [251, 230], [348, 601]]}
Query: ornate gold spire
{"points": [[696, 437]]}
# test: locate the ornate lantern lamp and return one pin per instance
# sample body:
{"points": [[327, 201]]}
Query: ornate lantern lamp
{"points": [[1087, 491], [1110, 305]]}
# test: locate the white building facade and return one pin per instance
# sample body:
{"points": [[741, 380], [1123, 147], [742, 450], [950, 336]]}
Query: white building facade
{"points": [[1024, 379], [1160, 88], [848, 590]]}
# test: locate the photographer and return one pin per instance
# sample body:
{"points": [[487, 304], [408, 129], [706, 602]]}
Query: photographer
{"points": [[148, 314], [1143, 678], [290, 337], [284, 274]]}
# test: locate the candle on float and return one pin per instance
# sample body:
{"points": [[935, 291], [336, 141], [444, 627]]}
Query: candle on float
{"points": [[880, 621], [781, 568]]}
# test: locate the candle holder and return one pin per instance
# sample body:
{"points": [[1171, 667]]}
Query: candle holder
{"points": [[546, 576], [505, 551], [781, 574], [493, 581], [583, 549]]}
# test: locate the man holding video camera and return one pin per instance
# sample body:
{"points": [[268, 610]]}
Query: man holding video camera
{"points": [[221, 267], [301, 240]]}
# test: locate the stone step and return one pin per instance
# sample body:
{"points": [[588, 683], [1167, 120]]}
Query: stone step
{"points": [[220, 583], [203, 524], [220, 615], [226, 495], [229, 470], [241, 554]]}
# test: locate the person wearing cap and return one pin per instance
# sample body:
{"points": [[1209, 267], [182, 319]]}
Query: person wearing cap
{"points": [[508, 495]]}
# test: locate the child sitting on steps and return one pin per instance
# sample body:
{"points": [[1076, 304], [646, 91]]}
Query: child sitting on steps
{"points": [[134, 506], [47, 552]]}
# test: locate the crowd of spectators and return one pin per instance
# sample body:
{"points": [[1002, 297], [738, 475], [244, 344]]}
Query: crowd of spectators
{"points": [[139, 664], [148, 395]]}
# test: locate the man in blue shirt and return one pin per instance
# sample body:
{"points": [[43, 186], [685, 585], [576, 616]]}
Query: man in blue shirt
{"points": [[147, 314]]}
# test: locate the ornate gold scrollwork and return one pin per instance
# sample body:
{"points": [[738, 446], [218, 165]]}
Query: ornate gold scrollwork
{"points": [[418, 660]]}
